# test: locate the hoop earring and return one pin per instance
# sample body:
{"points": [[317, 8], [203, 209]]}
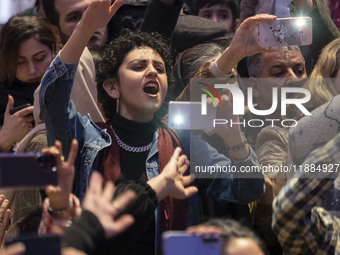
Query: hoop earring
{"points": [[117, 106]]}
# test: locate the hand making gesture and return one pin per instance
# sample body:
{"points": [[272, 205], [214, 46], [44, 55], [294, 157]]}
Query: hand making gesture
{"points": [[97, 15]]}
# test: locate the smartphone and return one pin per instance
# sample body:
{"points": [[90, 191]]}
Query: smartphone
{"points": [[49, 244], [18, 108], [188, 115], [27, 170], [183, 243], [285, 31]]}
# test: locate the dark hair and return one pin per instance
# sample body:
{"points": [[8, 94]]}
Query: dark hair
{"points": [[51, 13], [18, 29], [232, 4], [232, 229], [114, 55]]}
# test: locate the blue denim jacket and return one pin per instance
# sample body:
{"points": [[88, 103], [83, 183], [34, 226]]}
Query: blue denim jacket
{"points": [[64, 123]]}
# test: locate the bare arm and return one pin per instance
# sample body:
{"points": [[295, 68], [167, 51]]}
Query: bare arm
{"points": [[244, 43]]}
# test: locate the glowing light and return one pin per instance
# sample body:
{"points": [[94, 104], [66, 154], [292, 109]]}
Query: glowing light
{"points": [[300, 22], [178, 119]]}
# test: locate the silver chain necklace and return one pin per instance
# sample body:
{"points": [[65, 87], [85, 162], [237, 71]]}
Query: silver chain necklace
{"points": [[129, 148]]}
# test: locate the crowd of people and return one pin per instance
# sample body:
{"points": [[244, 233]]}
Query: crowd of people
{"points": [[89, 82]]}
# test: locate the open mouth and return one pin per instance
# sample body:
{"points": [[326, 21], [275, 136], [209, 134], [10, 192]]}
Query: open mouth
{"points": [[151, 88]]}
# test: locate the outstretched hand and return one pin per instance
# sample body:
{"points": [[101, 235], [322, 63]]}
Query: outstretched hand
{"points": [[59, 195], [171, 181], [245, 40], [99, 13], [98, 200]]}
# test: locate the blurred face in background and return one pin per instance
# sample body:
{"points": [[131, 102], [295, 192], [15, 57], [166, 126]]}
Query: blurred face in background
{"points": [[33, 60], [70, 13], [219, 13]]}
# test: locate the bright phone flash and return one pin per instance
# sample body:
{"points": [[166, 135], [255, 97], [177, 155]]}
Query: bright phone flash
{"points": [[178, 119], [300, 22]]}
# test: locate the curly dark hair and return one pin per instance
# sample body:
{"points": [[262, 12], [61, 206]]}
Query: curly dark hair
{"points": [[114, 55]]}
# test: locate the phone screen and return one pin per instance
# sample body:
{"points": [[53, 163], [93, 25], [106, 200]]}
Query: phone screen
{"points": [[182, 243], [27, 170], [285, 31]]}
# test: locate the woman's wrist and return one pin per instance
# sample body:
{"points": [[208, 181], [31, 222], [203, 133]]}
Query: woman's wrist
{"points": [[237, 147], [159, 184], [60, 201], [61, 211]]}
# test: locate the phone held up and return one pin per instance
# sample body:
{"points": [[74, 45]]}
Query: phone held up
{"points": [[27, 170], [186, 115], [285, 31], [183, 243], [18, 108]]}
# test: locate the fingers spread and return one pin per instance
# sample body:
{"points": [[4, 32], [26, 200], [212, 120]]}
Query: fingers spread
{"points": [[176, 153], [120, 225], [121, 202], [96, 182], [108, 191], [186, 180], [189, 191]]}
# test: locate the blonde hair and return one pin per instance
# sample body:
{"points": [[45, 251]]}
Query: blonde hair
{"points": [[322, 89]]}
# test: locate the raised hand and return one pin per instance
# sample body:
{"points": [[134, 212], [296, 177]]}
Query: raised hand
{"points": [[98, 200], [245, 40], [15, 126], [59, 195], [243, 44], [171, 181], [97, 15]]}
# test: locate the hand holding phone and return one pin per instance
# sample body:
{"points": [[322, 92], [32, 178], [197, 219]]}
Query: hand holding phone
{"points": [[15, 126], [18, 108], [285, 31]]}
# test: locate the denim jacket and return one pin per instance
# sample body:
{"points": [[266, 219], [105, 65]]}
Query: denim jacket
{"points": [[64, 123]]}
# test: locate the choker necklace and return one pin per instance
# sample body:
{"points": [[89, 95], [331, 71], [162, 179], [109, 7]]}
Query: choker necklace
{"points": [[129, 148]]}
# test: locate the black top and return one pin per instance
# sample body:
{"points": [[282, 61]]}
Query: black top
{"points": [[136, 134], [22, 92]]}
